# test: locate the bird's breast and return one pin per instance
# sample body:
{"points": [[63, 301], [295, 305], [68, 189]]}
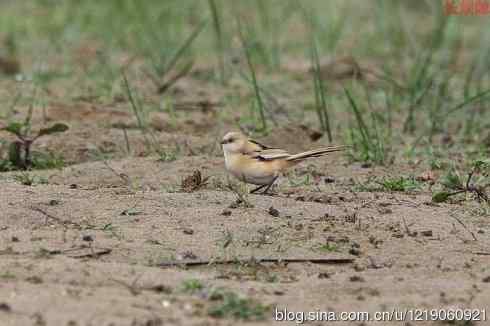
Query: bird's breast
{"points": [[250, 170]]}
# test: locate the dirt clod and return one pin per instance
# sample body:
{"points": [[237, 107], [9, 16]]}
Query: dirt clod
{"points": [[5, 307]]}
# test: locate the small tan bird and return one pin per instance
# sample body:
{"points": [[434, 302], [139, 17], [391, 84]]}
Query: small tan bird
{"points": [[251, 162]]}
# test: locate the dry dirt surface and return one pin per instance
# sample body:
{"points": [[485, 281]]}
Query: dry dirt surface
{"points": [[140, 225], [96, 243]]}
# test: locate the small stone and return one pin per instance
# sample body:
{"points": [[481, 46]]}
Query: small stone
{"points": [[188, 231], [486, 279], [356, 278], [161, 288], [14, 239], [426, 233], [359, 268], [397, 234], [5, 307], [385, 210], [88, 238], [226, 212], [355, 251], [34, 279], [323, 275], [53, 202], [73, 186], [273, 212]]}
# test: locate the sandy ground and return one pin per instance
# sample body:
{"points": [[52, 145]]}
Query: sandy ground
{"points": [[85, 248], [114, 238], [86, 245]]}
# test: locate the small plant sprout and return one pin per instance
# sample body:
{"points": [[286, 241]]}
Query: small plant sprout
{"points": [[232, 305], [192, 286], [455, 184], [368, 142], [20, 153]]}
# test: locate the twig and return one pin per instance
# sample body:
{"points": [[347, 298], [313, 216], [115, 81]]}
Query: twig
{"points": [[133, 287], [407, 229], [470, 175], [257, 260], [124, 177], [58, 220], [464, 226], [94, 252], [482, 253], [126, 140]]}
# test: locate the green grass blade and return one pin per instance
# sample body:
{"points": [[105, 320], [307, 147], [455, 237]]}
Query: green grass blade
{"points": [[258, 96], [136, 111], [360, 121], [219, 39], [468, 101], [320, 91], [187, 43]]}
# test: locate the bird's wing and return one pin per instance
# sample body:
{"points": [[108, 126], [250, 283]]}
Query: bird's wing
{"points": [[270, 154], [258, 145]]}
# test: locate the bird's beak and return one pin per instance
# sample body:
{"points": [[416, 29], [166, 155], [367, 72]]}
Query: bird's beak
{"points": [[222, 142]]}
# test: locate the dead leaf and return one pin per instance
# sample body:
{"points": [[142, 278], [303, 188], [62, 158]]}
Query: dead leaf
{"points": [[193, 182], [427, 176]]}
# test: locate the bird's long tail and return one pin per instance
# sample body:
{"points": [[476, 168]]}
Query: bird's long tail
{"points": [[315, 153]]}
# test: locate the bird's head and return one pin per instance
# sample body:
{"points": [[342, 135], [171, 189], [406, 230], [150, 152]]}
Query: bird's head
{"points": [[234, 142]]}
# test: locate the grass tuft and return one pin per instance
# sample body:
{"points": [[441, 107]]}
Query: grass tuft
{"points": [[368, 143], [232, 305]]}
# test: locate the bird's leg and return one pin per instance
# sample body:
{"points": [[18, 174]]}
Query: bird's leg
{"points": [[269, 185], [257, 189]]}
